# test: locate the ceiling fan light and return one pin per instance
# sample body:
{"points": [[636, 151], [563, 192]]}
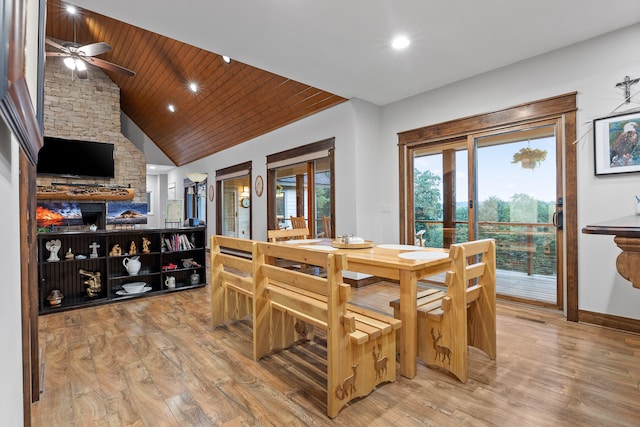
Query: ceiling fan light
{"points": [[80, 65], [70, 63]]}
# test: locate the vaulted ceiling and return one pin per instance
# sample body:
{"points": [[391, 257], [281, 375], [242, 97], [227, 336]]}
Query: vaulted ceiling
{"points": [[235, 102], [315, 54]]}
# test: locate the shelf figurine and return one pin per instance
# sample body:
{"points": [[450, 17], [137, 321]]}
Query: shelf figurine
{"points": [[115, 250], [145, 245], [53, 246], [94, 250], [93, 283], [132, 248], [69, 254]]}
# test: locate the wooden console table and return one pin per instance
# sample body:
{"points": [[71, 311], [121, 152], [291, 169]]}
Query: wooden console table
{"points": [[627, 236]]}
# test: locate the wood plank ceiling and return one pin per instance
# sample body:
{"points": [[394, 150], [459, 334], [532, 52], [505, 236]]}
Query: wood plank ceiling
{"points": [[235, 102]]}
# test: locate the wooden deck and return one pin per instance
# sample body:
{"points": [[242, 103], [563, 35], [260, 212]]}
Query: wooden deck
{"points": [[536, 287]]}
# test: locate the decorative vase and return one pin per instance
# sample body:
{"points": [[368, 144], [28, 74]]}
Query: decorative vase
{"points": [[132, 265], [195, 279]]}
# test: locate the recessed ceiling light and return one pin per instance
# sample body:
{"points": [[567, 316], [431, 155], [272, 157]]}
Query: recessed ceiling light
{"points": [[171, 108], [193, 87], [71, 9], [400, 42], [226, 59]]}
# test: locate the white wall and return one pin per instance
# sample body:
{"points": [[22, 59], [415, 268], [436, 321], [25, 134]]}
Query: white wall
{"points": [[10, 314], [11, 391], [336, 122], [367, 153], [591, 68]]}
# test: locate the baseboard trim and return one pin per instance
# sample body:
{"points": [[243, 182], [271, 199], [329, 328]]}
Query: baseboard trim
{"points": [[609, 321]]}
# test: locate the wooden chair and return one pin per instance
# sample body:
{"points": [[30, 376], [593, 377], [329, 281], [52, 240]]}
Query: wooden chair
{"points": [[298, 222], [361, 344], [231, 278], [326, 228], [464, 315], [295, 233]]}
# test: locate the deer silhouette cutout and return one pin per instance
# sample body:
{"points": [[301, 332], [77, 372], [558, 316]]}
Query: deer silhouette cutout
{"points": [[348, 385], [441, 351], [380, 362]]}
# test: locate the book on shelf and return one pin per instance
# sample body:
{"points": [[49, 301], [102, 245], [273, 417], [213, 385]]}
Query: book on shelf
{"points": [[178, 242]]}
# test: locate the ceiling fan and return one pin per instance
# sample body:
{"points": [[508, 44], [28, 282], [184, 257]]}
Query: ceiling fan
{"points": [[76, 56]]}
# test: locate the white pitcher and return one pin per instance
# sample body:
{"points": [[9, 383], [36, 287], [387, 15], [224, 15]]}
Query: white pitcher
{"points": [[170, 282], [132, 265]]}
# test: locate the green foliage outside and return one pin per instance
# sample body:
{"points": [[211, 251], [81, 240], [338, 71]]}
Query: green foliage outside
{"points": [[514, 243]]}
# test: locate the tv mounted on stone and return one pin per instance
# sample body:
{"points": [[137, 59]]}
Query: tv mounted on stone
{"points": [[74, 158]]}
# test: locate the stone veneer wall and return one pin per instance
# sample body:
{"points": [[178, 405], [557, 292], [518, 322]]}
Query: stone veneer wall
{"points": [[89, 110]]}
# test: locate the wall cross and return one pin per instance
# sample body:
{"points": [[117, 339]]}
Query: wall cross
{"points": [[626, 84]]}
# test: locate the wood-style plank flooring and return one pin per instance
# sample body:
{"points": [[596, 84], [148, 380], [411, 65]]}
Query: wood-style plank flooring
{"points": [[156, 361]]}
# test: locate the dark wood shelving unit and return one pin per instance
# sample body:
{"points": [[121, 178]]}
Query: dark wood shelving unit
{"points": [[166, 249]]}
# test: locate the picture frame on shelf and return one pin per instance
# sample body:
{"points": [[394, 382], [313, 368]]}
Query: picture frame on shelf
{"points": [[616, 148]]}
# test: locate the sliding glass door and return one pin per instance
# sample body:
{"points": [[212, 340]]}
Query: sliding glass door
{"points": [[502, 185], [516, 190]]}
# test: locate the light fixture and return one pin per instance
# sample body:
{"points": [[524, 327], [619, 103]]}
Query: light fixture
{"points": [[190, 191], [75, 64], [226, 59], [71, 9], [194, 87], [400, 42], [245, 191], [171, 108], [197, 176]]}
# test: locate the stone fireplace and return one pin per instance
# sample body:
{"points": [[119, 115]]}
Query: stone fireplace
{"points": [[89, 109]]}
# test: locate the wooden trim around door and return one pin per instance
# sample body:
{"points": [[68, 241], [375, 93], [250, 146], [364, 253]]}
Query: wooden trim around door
{"points": [[562, 108]]}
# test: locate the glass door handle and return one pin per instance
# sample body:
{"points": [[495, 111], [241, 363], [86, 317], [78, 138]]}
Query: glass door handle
{"points": [[557, 219]]}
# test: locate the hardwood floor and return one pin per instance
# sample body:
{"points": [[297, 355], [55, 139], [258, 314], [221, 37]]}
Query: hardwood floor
{"points": [[156, 361]]}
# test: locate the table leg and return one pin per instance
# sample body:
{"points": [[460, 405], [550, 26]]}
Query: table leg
{"points": [[408, 332]]}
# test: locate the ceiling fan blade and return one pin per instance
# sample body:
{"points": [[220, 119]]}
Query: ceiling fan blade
{"points": [[57, 54], [56, 45], [94, 49], [108, 65]]}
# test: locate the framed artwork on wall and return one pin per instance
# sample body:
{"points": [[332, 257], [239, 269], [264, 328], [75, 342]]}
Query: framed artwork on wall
{"points": [[174, 212], [616, 148]]}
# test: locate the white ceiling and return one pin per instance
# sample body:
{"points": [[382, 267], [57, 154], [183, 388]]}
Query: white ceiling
{"points": [[343, 46]]}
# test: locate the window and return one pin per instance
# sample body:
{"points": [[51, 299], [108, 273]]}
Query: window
{"points": [[233, 210], [300, 182]]}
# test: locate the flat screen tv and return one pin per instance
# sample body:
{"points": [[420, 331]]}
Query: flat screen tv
{"points": [[73, 158]]}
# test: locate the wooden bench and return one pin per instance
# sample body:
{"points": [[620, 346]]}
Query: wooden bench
{"points": [[361, 344], [463, 315], [231, 278]]}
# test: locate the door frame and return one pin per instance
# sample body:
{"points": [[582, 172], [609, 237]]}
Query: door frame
{"points": [[562, 108]]}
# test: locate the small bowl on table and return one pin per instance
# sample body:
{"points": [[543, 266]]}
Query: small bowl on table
{"points": [[134, 288]]}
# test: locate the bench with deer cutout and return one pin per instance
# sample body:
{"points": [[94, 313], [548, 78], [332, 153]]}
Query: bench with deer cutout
{"points": [[361, 344], [463, 315]]}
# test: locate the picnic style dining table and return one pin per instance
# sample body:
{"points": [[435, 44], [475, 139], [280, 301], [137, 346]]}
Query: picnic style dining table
{"points": [[405, 263]]}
